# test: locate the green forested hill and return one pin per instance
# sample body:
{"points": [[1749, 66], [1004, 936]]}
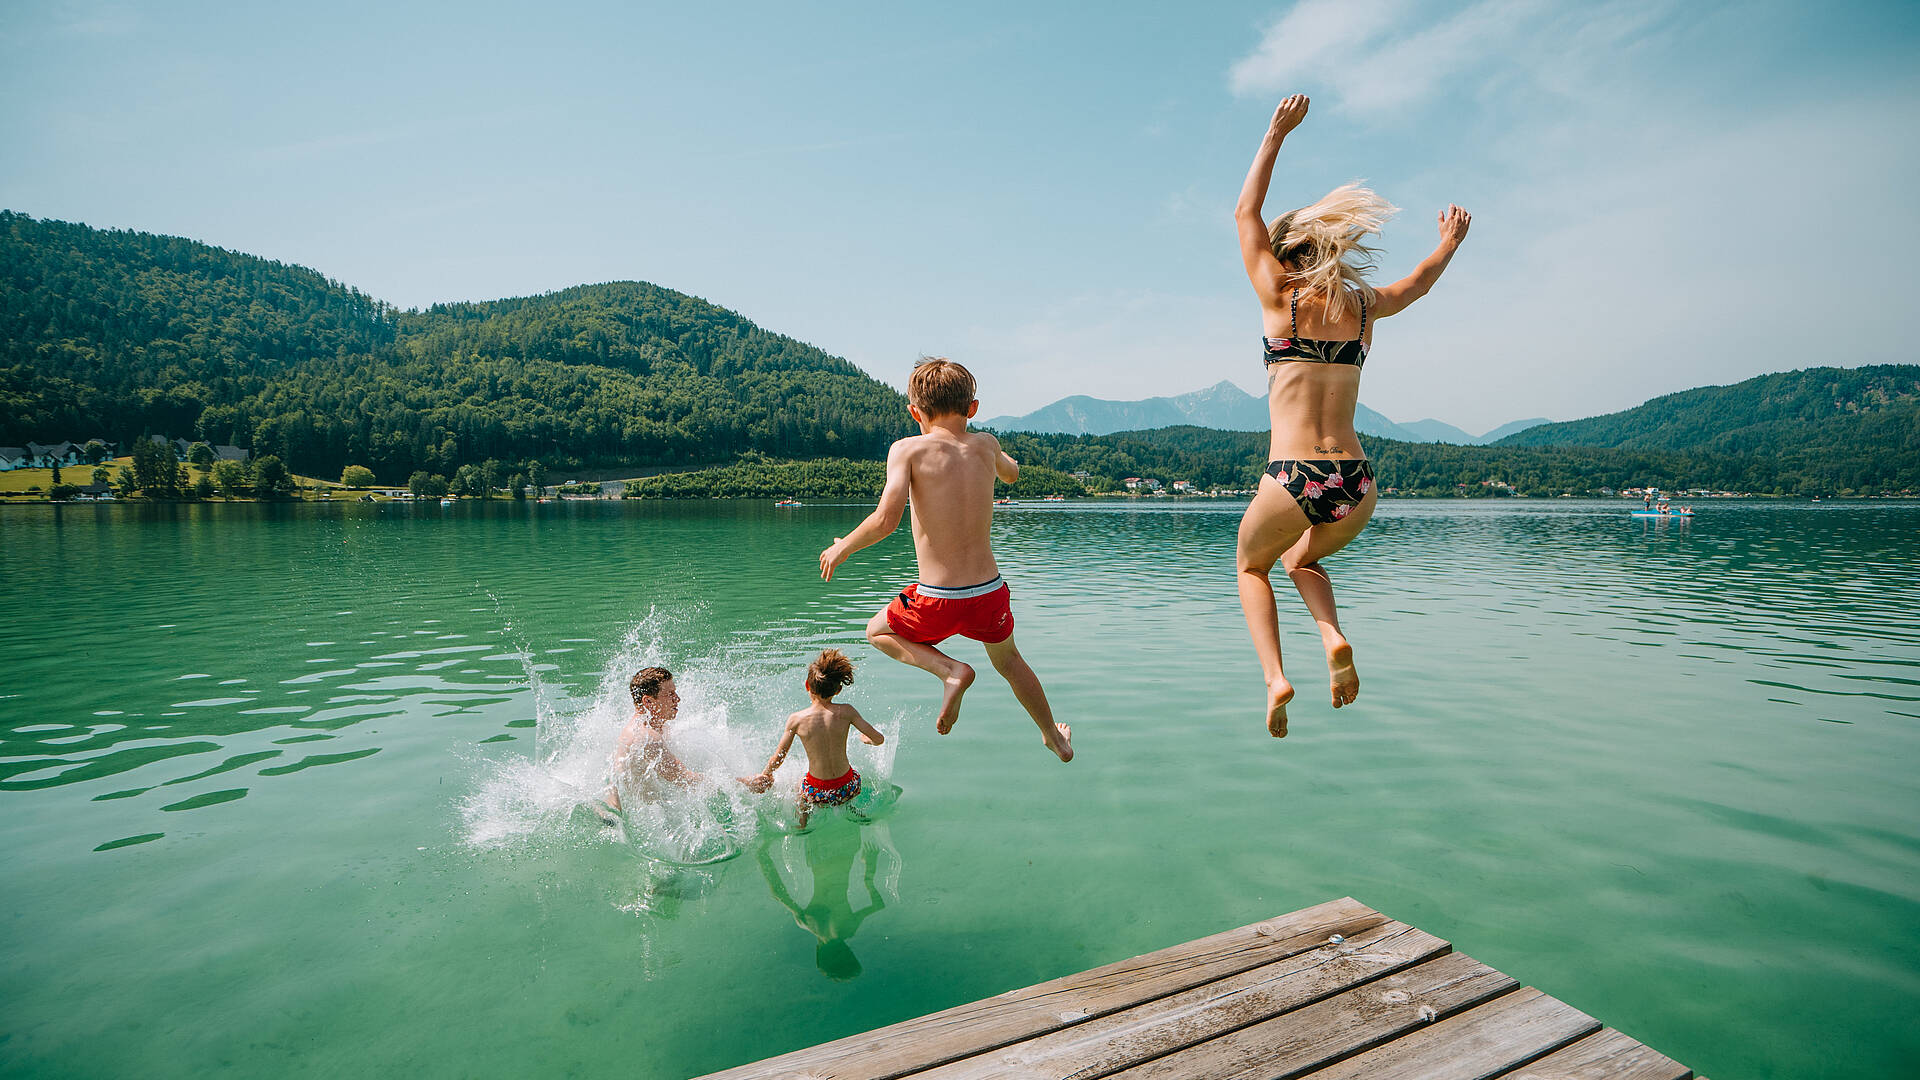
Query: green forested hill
{"points": [[1790, 412], [117, 334]]}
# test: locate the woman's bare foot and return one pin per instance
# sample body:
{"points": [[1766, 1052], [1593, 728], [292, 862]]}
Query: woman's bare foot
{"points": [[1279, 692], [1346, 681], [1062, 742], [957, 684]]}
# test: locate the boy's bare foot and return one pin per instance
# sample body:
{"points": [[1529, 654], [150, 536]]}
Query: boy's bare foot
{"points": [[1346, 681], [1279, 692], [1062, 742], [957, 684]]}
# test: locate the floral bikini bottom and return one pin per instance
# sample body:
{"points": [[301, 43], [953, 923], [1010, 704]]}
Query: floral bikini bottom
{"points": [[1326, 490]]}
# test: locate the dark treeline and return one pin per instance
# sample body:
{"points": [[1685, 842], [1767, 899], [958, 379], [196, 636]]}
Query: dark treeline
{"points": [[117, 334], [1234, 459]]}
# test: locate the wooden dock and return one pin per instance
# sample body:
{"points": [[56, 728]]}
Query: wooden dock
{"points": [[1334, 991]]}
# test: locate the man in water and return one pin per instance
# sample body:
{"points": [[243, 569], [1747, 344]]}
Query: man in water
{"points": [[641, 757]]}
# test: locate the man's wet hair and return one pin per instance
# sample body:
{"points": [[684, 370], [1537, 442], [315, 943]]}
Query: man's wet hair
{"points": [[646, 682]]}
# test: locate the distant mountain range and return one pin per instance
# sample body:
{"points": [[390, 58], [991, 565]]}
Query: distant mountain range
{"points": [[1222, 406]]}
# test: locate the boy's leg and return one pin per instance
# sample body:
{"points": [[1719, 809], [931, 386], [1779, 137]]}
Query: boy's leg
{"points": [[955, 675], [1026, 686], [1271, 525]]}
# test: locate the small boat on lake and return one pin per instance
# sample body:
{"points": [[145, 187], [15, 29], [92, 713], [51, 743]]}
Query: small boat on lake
{"points": [[446, 502], [1660, 513], [789, 502], [1053, 498], [1003, 502]]}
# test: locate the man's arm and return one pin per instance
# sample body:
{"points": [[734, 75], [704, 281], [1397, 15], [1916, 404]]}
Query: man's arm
{"points": [[1400, 295], [868, 733], [884, 519]]}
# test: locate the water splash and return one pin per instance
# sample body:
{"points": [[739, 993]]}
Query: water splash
{"points": [[732, 704]]}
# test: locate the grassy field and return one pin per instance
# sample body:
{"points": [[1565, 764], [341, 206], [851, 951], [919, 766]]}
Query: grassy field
{"points": [[14, 484]]}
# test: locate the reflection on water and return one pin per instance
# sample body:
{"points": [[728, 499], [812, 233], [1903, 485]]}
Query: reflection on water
{"points": [[825, 875]]}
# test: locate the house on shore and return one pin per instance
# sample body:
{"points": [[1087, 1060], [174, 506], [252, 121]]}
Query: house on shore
{"points": [[46, 456], [12, 457]]}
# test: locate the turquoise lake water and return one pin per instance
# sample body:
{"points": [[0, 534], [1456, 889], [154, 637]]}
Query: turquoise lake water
{"points": [[287, 791]]}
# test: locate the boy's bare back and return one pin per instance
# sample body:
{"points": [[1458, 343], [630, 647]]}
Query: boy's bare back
{"points": [[822, 730], [948, 480]]}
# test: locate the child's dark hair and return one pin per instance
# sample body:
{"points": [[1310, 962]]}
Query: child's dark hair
{"points": [[646, 682], [829, 671]]}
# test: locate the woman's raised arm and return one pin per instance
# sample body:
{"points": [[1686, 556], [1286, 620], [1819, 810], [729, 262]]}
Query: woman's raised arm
{"points": [[1397, 297], [1256, 248]]}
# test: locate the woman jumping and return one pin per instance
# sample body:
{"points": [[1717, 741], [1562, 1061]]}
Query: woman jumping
{"points": [[1308, 268]]}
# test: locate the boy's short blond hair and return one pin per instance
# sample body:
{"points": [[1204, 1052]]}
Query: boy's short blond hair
{"points": [[940, 387]]}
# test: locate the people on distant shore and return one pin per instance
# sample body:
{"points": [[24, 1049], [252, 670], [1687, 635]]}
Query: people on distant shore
{"points": [[1308, 267], [947, 473], [822, 730]]}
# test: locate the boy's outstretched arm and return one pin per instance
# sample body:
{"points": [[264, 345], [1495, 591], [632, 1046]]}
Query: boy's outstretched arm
{"points": [[884, 519], [1004, 467], [868, 733], [765, 779]]}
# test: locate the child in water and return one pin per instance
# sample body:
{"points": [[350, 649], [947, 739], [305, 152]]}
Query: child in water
{"points": [[822, 730]]}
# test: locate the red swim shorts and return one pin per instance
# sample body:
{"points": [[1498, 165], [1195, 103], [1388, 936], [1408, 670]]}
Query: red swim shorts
{"points": [[930, 615]]}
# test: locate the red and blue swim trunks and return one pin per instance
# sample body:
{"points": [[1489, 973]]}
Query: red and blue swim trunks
{"points": [[830, 792], [929, 614]]}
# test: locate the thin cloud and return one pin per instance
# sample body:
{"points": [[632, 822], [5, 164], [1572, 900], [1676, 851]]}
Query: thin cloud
{"points": [[1377, 56], [1311, 37]]}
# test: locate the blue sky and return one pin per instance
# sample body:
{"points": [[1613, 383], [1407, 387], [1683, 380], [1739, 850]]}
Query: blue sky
{"points": [[1665, 193]]}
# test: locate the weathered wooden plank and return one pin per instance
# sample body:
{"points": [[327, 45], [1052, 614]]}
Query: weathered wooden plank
{"points": [[981, 1026], [1480, 1043], [1158, 1027], [1608, 1055], [1298, 1042]]}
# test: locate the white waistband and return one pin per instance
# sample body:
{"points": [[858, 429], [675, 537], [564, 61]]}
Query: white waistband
{"points": [[965, 592]]}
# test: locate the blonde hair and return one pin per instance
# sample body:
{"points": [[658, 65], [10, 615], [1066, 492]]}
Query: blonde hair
{"points": [[1320, 244]]}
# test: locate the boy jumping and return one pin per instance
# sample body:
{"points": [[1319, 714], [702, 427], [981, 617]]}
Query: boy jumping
{"points": [[947, 473]]}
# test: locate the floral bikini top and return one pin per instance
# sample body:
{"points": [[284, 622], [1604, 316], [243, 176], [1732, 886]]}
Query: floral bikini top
{"points": [[1314, 351]]}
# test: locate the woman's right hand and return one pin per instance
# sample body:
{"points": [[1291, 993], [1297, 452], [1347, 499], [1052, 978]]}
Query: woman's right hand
{"points": [[1288, 115], [1453, 225]]}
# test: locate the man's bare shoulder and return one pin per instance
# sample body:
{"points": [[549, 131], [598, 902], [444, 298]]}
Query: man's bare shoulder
{"points": [[984, 439]]}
